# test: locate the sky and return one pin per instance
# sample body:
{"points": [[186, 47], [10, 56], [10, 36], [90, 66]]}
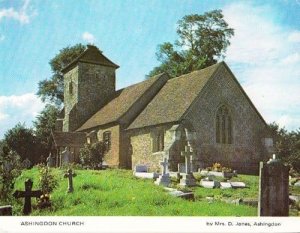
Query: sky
{"points": [[264, 53]]}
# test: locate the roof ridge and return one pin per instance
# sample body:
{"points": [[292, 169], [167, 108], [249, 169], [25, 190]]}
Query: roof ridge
{"points": [[195, 71]]}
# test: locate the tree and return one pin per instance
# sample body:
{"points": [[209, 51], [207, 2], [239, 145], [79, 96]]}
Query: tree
{"points": [[23, 141], [44, 125], [52, 89], [203, 39], [287, 145], [10, 169]]}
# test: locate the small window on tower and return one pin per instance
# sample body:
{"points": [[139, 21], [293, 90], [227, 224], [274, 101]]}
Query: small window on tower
{"points": [[71, 88]]}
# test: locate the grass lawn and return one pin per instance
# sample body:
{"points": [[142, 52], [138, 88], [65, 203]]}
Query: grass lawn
{"points": [[117, 193]]}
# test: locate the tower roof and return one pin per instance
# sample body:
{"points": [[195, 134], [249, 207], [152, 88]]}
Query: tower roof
{"points": [[91, 55]]}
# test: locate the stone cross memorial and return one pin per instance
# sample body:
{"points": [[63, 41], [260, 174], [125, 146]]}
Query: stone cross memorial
{"points": [[273, 188], [70, 176], [27, 194], [164, 178], [187, 177]]}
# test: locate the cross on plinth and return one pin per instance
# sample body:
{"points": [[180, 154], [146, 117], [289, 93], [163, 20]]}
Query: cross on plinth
{"points": [[27, 194], [70, 176], [164, 164], [187, 154]]}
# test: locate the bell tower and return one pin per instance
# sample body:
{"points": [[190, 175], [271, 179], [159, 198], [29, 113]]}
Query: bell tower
{"points": [[89, 83]]}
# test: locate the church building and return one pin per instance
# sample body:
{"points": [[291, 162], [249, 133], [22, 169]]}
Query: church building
{"points": [[156, 118]]}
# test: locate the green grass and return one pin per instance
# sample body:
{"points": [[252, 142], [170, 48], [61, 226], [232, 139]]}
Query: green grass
{"points": [[118, 193]]}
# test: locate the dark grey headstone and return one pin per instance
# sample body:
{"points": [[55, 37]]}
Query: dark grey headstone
{"points": [[273, 189], [6, 210]]}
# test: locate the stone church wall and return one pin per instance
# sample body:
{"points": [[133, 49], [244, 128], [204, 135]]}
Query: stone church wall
{"points": [[246, 150], [112, 157]]}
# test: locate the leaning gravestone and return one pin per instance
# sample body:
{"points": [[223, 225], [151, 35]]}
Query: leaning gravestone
{"points": [[6, 210], [70, 176], [273, 189], [27, 194], [164, 178]]}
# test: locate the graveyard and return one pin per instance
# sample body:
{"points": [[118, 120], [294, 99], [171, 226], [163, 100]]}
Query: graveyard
{"points": [[117, 192]]}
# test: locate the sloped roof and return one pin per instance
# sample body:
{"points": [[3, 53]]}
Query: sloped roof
{"points": [[73, 139], [118, 106], [91, 55], [174, 99]]}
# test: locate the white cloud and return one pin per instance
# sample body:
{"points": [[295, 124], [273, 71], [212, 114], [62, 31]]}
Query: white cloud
{"points": [[23, 15], [18, 108], [294, 36], [88, 37], [262, 55]]}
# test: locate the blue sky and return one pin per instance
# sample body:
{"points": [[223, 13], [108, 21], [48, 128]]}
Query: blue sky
{"points": [[264, 53]]}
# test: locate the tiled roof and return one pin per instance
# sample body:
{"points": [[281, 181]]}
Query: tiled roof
{"points": [[73, 139], [174, 99], [118, 106], [91, 55]]}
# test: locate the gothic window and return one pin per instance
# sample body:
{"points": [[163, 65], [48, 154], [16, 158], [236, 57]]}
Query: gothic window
{"points": [[223, 126], [158, 141], [107, 140]]}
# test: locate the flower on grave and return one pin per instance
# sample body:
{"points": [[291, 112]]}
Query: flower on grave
{"points": [[44, 201]]}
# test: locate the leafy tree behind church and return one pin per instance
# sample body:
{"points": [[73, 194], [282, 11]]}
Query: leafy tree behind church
{"points": [[287, 145], [203, 39], [51, 90]]}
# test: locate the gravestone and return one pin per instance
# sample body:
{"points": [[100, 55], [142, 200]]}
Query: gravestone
{"points": [[50, 161], [70, 176], [27, 194], [164, 178], [273, 189], [6, 210], [141, 168], [187, 177], [65, 157]]}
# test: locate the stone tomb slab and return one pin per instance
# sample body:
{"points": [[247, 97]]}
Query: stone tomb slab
{"points": [[208, 184], [146, 175], [236, 185], [225, 185]]}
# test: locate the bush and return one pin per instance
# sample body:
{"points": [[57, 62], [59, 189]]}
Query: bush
{"points": [[47, 180], [10, 169], [91, 155]]}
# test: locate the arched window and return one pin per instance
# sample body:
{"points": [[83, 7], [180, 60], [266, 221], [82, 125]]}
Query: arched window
{"points": [[107, 140], [223, 126]]}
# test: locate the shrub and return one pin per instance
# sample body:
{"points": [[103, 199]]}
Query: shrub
{"points": [[47, 179], [91, 155]]}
